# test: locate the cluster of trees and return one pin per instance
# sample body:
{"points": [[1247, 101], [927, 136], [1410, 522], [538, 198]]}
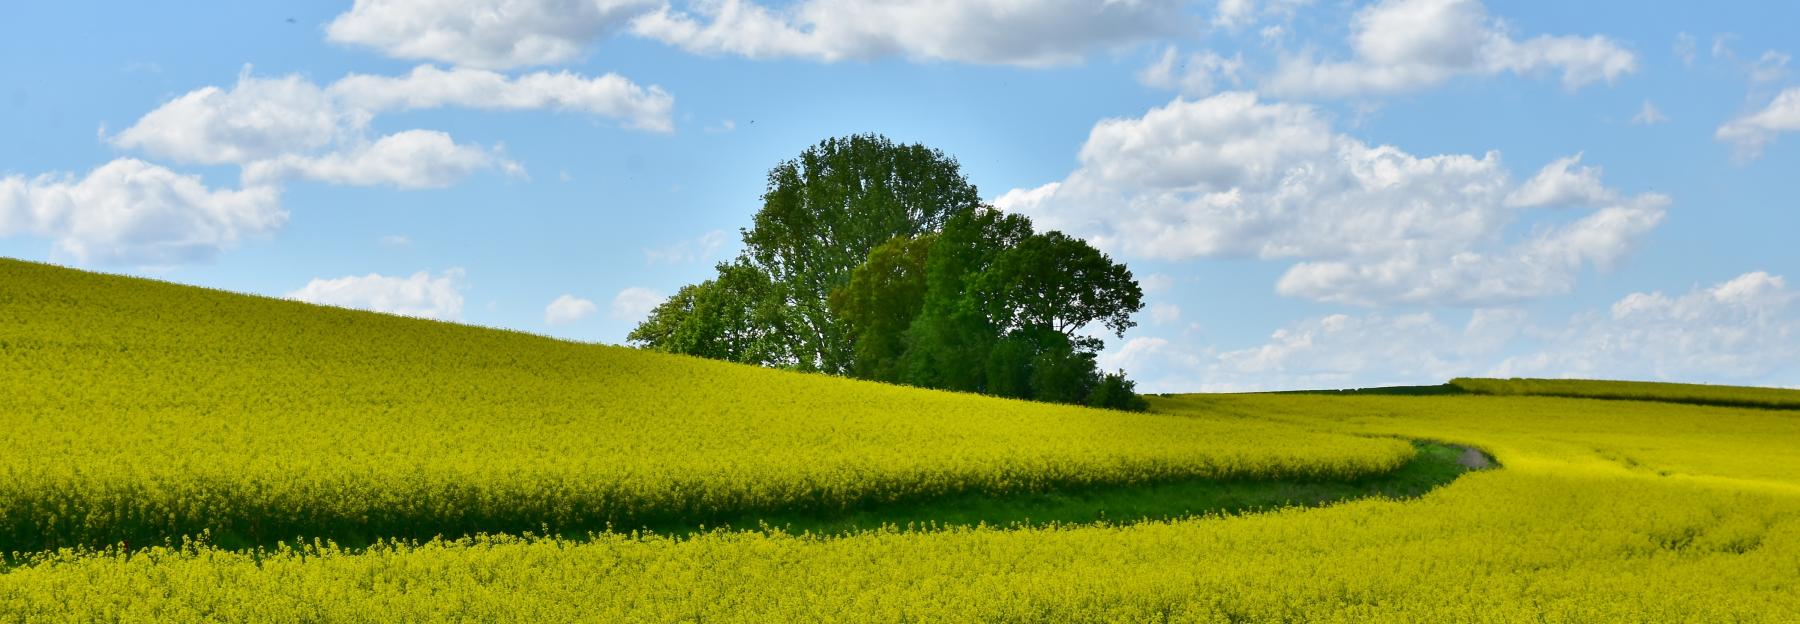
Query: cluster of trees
{"points": [[879, 261]]}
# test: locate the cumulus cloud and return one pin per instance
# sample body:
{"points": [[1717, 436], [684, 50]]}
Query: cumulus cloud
{"points": [[1560, 183], [257, 118], [1401, 45], [568, 309], [1194, 74], [1009, 32], [1753, 132], [132, 212], [1333, 351], [413, 159], [1742, 330], [421, 295], [610, 95], [1745, 328], [1232, 176], [635, 302], [262, 119], [482, 33], [289, 128]]}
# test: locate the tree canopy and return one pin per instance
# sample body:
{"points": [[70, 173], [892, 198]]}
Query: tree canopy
{"points": [[878, 261], [824, 211]]}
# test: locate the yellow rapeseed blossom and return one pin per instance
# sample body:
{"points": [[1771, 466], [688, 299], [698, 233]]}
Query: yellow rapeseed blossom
{"points": [[122, 403]]}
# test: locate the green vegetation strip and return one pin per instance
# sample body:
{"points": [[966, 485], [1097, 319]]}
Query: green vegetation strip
{"points": [[1434, 465], [1691, 394]]}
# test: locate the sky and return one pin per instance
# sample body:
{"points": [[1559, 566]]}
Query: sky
{"points": [[1313, 194]]}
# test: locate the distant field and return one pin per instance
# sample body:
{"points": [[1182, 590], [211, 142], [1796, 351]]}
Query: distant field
{"points": [[151, 408], [1728, 396]]}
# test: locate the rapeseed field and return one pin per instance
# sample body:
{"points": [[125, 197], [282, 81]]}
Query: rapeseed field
{"points": [[137, 411], [140, 408]]}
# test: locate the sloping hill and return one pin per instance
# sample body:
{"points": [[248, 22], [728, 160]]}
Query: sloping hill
{"points": [[141, 411]]}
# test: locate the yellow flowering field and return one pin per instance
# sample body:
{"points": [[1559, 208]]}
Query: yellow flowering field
{"points": [[1599, 511], [139, 411]]}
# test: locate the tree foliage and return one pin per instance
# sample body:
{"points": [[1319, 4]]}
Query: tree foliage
{"points": [[825, 211], [878, 261], [879, 303], [731, 317]]}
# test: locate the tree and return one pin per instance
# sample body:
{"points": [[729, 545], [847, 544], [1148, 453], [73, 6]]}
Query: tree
{"points": [[1116, 392], [1004, 308], [884, 295], [1055, 282], [877, 260], [948, 345], [730, 317], [824, 211]]}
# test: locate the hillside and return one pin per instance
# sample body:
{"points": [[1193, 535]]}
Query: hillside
{"points": [[135, 408], [142, 411]]}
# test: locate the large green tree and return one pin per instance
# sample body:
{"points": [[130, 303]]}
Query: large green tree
{"points": [[877, 260], [824, 211]]}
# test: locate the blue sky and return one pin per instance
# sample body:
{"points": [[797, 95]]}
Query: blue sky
{"points": [[1316, 194]]}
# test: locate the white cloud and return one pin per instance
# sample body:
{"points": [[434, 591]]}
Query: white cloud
{"points": [[132, 212], [1686, 48], [1745, 328], [483, 33], [394, 240], [1012, 32], [1401, 45], [1557, 185], [1649, 115], [1164, 313], [258, 118], [610, 95], [1195, 74], [699, 249], [421, 295], [568, 309], [1155, 283], [1339, 351], [1770, 67], [1230, 176], [1234, 13], [1752, 132], [1742, 330], [288, 127], [413, 159], [1334, 351], [635, 302]]}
